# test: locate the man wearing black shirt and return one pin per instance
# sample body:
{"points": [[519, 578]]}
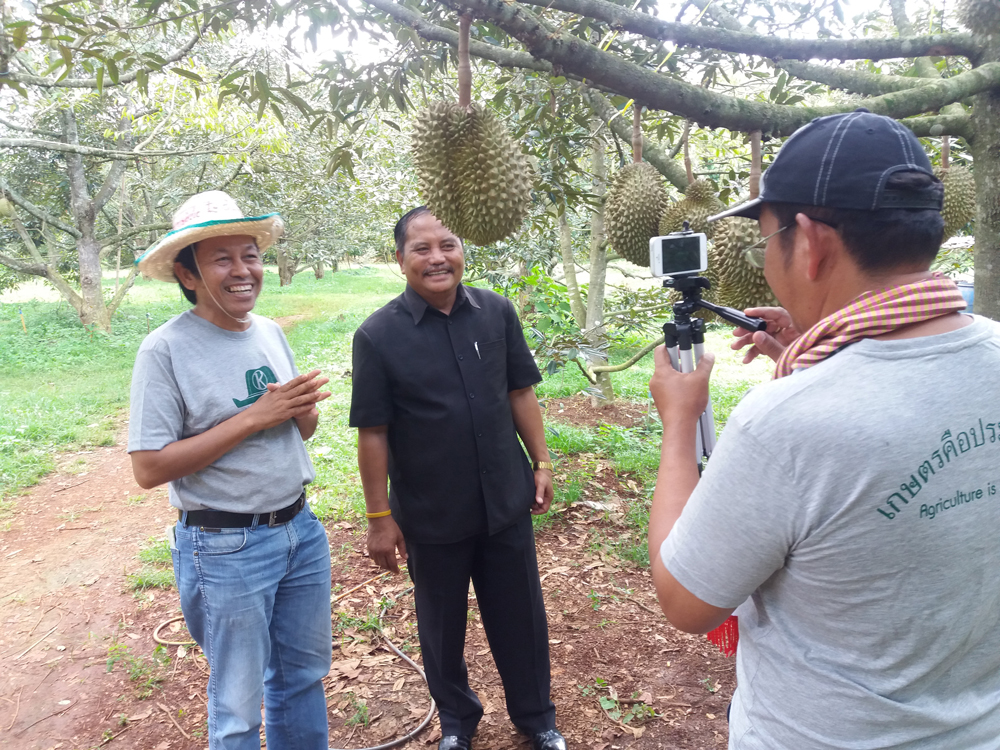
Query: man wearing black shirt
{"points": [[442, 389]]}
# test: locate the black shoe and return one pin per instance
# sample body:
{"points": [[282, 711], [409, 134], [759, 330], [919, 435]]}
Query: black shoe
{"points": [[458, 742], [550, 740]]}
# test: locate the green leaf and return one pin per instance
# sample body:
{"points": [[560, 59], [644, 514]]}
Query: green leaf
{"points": [[188, 74], [232, 77], [112, 71], [100, 80], [19, 36]]}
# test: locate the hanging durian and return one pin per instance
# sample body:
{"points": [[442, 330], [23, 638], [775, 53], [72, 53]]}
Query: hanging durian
{"points": [[634, 203], [6, 208], [740, 285], [471, 174], [959, 198], [635, 200], [979, 16], [698, 203]]}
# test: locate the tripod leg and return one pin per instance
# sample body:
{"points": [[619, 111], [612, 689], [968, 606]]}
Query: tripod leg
{"points": [[707, 421]]}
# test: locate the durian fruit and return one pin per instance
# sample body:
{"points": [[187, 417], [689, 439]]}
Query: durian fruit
{"points": [[740, 285], [6, 208], [635, 201], [472, 175], [979, 16], [698, 203], [959, 198]]}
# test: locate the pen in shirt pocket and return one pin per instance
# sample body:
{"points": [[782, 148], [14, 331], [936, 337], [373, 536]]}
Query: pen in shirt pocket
{"points": [[476, 344]]}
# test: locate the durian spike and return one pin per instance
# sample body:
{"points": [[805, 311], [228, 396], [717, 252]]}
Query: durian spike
{"points": [[464, 65], [945, 151], [755, 160], [636, 133]]}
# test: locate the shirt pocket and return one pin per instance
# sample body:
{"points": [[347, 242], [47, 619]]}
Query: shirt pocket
{"points": [[494, 372]]}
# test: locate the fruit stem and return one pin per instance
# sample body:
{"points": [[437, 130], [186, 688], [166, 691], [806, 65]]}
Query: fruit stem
{"points": [[945, 152], [687, 155], [636, 133], [464, 66], [755, 164]]}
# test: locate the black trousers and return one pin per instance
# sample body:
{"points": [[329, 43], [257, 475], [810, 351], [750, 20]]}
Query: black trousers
{"points": [[504, 571]]}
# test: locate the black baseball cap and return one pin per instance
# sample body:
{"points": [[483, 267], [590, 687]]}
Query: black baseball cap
{"points": [[843, 161]]}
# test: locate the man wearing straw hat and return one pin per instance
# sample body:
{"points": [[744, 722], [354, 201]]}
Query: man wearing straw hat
{"points": [[850, 512], [219, 411]]}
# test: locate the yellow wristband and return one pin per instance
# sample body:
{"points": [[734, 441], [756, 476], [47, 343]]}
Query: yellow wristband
{"points": [[536, 465], [380, 514]]}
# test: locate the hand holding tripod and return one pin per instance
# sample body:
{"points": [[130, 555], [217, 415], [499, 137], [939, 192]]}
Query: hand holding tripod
{"points": [[685, 342]]}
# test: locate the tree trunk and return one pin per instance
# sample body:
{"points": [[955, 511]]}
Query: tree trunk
{"points": [[286, 266], [598, 264], [319, 268], [569, 270], [985, 147], [84, 210]]}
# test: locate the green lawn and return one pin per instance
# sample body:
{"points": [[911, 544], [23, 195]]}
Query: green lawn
{"points": [[63, 388]]}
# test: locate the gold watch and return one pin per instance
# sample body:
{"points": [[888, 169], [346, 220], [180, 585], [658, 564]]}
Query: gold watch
{"points": [[536, 465]]}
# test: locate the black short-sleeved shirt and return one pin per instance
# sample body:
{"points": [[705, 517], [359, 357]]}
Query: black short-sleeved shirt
{"points": [[440, 383]]}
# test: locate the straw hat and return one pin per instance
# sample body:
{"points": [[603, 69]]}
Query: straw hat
{"points": [[209, 214]]}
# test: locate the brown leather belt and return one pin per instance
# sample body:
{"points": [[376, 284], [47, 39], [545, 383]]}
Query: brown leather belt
{"points": [[220, 519]]}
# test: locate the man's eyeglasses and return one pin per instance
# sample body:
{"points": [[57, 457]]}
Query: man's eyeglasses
{"points": [[754, 255]]}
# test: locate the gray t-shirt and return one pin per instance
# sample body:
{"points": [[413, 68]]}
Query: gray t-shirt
{"points": [[189, 376], [856, 504]]}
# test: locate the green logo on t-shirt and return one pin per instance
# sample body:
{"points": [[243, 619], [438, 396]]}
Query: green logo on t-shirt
{"points": [[257, 381]]}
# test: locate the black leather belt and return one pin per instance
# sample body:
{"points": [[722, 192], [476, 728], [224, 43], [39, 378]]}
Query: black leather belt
{"points": [[220, 519]]}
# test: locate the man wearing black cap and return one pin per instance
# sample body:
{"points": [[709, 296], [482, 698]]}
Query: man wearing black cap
{"points": [[850, 513]]}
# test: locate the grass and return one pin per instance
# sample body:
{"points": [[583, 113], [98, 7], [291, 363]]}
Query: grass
{"points": [[65, 388], [156, 571]]}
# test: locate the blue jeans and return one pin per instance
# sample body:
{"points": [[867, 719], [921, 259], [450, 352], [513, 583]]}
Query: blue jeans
{"points": [[257, 601]]}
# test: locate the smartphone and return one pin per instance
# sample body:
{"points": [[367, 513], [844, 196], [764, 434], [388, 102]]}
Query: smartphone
{"points": [[678, 253]]}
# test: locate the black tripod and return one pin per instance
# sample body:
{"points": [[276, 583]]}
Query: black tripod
{"points": [[685, 341]]}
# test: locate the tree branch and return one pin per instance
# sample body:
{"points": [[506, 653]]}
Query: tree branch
{"points": [[651, 151], [26, 129], [117, 239], [505, 58], [750, 43], [33, 269], [91, 83], [934, 126], [73, 148], [39, 213], [854, 81], [704, 107]]}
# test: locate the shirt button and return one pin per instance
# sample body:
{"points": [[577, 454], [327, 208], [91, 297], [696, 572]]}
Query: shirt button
{"points": [[460, 357], [479, 435], [472, 395], [484, 471], [451, 322]]}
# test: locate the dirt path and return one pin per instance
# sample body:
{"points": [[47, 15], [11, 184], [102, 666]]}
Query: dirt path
{"points": [[65, 609]]}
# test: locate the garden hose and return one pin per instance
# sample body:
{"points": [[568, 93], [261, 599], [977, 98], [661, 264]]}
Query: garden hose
{"points": [[391, 646]]}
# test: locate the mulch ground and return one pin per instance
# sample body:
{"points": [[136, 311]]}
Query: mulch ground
{"points": [[65, 606]]}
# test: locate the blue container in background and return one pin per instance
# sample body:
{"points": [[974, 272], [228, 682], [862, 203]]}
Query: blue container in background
{"points": [[968, 291]]}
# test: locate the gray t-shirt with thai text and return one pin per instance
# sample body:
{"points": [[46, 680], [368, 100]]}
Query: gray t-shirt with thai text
{"points": [[189, 376], [852, 514]]}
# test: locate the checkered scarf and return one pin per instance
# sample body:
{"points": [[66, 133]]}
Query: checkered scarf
{"points": [[871, 314]]}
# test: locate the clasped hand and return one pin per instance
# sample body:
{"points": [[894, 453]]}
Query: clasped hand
{"points": [[680, 397], [781, 332], [296, 398]]}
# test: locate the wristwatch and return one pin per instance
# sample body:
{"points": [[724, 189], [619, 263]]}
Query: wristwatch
{"points": [[536, 465]]}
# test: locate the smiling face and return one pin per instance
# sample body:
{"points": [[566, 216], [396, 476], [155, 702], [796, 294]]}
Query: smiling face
{"points": [[432, 260], [231, 276]]}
